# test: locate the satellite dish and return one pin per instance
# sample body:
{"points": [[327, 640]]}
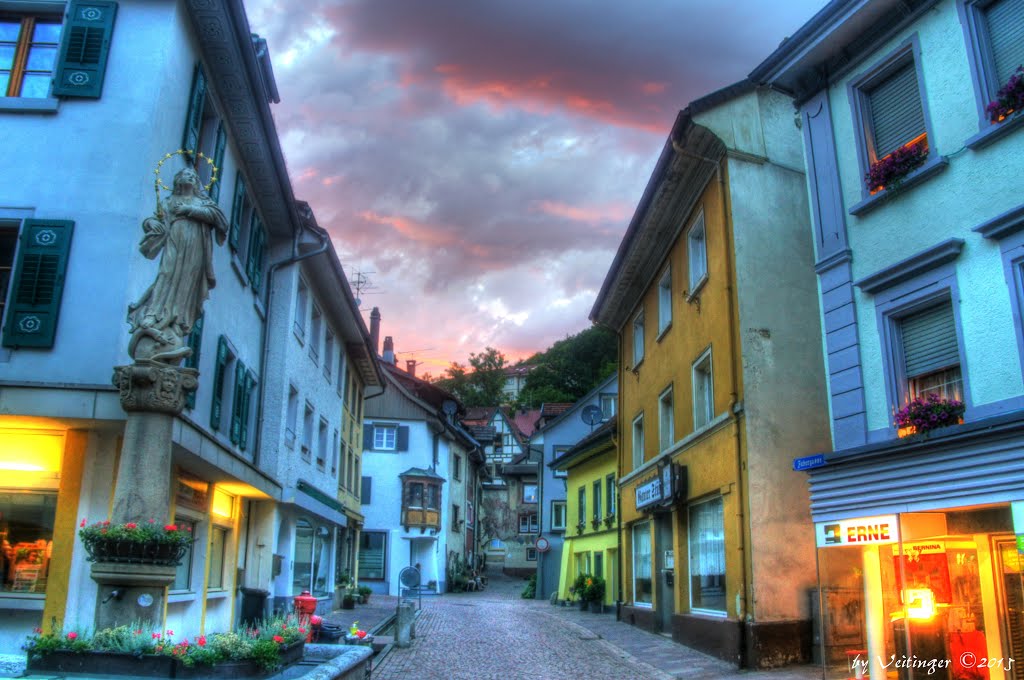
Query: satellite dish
{"points": [[449, 407], [592, 415]]}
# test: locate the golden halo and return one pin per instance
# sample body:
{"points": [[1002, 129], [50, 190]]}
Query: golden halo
{"points": [[158, 184]]}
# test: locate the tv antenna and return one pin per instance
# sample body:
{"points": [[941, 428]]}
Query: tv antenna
{"points": [[361, 285]]}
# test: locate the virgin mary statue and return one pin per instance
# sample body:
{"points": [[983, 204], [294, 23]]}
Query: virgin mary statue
{"points": [[182, 234]]}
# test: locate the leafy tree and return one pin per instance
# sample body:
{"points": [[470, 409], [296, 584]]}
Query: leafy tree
{"points": [[570, 368], [480, 386]]}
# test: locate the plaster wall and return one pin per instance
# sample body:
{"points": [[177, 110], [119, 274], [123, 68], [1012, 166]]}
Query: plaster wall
{"points": [[976, 186]]}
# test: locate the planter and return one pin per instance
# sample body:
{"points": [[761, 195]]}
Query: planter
{"points": [[134, 552], [227, 669], [105, 663], [292, 653], [597, 607], [365, 641], [348, 603], [584, 605]]}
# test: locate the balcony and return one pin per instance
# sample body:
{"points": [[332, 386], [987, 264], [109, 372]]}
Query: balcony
{"points": [[421, 499]]}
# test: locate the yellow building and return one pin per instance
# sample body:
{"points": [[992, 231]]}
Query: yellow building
{"points": [[713, 295], [591, 530]]}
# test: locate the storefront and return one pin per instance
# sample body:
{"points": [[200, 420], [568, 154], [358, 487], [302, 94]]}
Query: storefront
{"points": [[923, 595]]}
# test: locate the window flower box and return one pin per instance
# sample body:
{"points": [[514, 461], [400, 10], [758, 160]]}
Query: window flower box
{"points": [[886, 173], [580, 527], [1009, 99], [926, 413], [608, 519], [133, 543]]}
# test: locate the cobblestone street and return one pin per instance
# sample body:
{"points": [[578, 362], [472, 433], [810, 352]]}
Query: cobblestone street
{"points": [[496, 634]]}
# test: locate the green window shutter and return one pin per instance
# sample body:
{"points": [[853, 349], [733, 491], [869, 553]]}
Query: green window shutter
{"points": [[38, 283], [218, 383], [368, 437], [254, 268], [84, 48], [250, 383], [218, 159], [237, 207], [195, 342], [236, 403], [897, 116], [194, 119]]}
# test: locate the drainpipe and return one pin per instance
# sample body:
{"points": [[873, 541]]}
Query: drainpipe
{"points": [[325, 243]]}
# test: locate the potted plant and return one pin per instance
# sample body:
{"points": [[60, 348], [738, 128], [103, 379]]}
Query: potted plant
{"points": [[929, 412], [356, 636], [146, 543], [578, 591], [608, 519], [348, 600], [580, 527], [596, 522], [1009, 99], [595, 593], [364, 592], [888, 172]]}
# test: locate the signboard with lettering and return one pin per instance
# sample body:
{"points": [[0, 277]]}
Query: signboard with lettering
{"points": [[860, 531], [191, 492], [668, 484], [808, 462], [648, 493]]}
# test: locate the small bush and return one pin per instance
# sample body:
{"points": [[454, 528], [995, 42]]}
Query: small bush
{"points": [[530, 589]]}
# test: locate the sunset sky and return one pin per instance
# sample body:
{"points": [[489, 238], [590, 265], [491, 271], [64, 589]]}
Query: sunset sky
{"points": [[480, 159]]}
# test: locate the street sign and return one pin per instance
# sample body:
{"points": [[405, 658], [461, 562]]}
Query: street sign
{"points": [[543, 545], [808, 462]]}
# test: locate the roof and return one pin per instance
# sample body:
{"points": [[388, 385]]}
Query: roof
{"points": [[481, 433], [688, 160], [553, 409], [421, 472], [479, 415], [604, 385], [593, 443], [524, 422], [425, 391], [513, 371]]}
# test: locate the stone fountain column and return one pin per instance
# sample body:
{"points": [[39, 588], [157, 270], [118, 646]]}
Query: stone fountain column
{"points": [[152, 394]]}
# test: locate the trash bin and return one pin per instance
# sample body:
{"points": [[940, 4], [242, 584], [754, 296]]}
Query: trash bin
{"points": [[254, 601]]}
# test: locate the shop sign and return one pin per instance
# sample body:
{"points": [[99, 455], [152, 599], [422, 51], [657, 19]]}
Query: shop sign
{"points": [[662, 488], [191, 492], [649, 493], [860, 531]]}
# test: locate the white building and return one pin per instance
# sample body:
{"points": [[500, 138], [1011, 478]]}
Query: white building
{"points": [[156, 77]]}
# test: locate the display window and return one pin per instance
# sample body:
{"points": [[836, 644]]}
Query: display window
{"points": [[26, 540], [922, 595]]}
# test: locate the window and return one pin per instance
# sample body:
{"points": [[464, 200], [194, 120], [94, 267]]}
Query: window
{"points": [[311, 558], [37, 283], [556, 452], [558, 515], [218, 546], [455, 517], [531, 554], [335, 448], [301, 304], [416, 495], [328, 354], [703, 391], [254, 261], [307, 432], [341, 374], [292, 419], [608, 404], [529, 493], [8, 245], [707, 556], [194, 340], [642, 564], [314, 333], [665, 302], [27, 533], [183, 572], [638, 441], [384, 437], [528, 523], [697, 253], [241, 218], [638, 339], [372, 553], [223, 367], [611, 493], [321, 449], [433, 497], [245, 382], [598, 564], [457, 467], [469, 513], [931, 354], [28, 54], [365, 490], [994, 30], [581, 506], [666, 420], [597, 500]]}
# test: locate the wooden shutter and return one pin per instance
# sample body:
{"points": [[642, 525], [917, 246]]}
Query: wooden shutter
{"points": [[365, 490], [218, 159], [38, 282], [237, 208], [929, 341], [254, 268], [218, 383], [84, 49], [250, 383], [195, 343], [237, 403], [194, 119], [368, 437], [402, 438], [1005, 22], [897, 116]]}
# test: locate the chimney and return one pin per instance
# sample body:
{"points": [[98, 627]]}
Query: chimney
{"points": [[375, 330], [389, 350], [410, 367]]}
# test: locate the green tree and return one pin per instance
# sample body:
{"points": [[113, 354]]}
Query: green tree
{"points": [[570, 368], [480, 383]]}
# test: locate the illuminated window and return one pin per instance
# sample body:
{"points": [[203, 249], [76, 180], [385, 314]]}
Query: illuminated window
{"points": [[218, 546], [707, 555], [28, 54], [183, 572], [26, 531]]}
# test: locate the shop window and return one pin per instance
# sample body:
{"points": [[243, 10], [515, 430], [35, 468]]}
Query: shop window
{"points": [[703, 391], [642, 582], [311, 558], [707, 556], [218, 548], [697, 254], [558, 515], [372, 554], [183, 572], [26, 539]]}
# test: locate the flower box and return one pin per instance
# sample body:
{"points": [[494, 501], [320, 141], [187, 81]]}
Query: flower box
{"points": [[888, 172], [927, 413], [105, 663], [133, 543], [1009, 99]]}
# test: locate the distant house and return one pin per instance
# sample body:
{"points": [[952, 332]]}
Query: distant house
{"points": [[515, 380]]}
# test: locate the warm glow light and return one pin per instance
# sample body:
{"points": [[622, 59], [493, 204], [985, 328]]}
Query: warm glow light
{"points": [[223, 504], [920, 604], [31, 450]]}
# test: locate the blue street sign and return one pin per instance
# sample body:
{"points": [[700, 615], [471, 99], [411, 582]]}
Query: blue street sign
{"points": [[808, 462]]}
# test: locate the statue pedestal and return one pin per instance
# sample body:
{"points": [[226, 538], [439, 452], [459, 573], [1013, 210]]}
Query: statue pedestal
{"points": [[152, 393]]}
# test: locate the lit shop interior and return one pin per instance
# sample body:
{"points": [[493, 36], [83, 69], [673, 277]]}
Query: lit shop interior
{"points": [[935, 595]]}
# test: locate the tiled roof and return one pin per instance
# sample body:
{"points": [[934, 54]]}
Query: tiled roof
{"points": [[552, 409], [478, 415], [525, 421], [482, 433]]}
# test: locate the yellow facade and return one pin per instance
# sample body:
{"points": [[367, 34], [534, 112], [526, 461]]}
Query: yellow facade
{"points": [[591, 539]]}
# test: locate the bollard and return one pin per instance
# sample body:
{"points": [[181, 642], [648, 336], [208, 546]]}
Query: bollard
{"points": [[405, 623]]}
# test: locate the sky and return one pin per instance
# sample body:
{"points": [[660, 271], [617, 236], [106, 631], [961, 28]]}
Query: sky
{"points": [[478, 161]]}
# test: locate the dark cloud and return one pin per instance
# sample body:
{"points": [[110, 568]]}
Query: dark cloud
{"points": [[483, 158]]}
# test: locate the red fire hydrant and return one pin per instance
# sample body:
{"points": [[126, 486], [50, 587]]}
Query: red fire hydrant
{"points": [[305, 607]]}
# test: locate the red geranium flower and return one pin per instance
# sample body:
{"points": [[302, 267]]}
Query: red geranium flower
{"points": [[72, 635], [278, 638]]}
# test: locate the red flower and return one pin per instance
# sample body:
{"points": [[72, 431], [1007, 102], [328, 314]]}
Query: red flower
{"points": [[106, 522], [131, 525], [201, 640], [170, 633], [278, 638], [170, 527], [37, 630], [72, 635], [82, 524], [301, 630], [360, 634], [156, 636]]}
